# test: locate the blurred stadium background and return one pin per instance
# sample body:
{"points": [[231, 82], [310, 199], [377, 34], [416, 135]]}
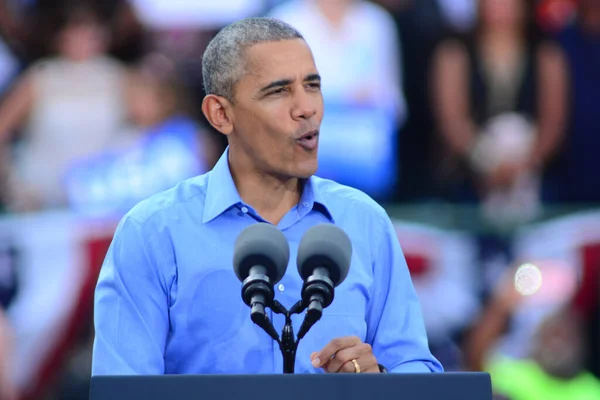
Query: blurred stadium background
{"points": [[474, 122]]}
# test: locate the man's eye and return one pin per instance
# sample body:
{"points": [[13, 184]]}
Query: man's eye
{"points": [[314, 85], [277, 91]]}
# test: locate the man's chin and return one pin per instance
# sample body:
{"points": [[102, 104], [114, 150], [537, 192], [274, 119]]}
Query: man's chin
{"points": [[306, 170]]}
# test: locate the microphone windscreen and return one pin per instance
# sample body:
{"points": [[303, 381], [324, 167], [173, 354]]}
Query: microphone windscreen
{"points": [[261, 244], [328, 246]]}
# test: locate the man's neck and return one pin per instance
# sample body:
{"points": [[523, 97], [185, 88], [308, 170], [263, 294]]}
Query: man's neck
{"points": [[272, 197]]}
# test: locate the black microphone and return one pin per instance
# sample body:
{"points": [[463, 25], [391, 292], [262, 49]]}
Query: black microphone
{"points": [[323, 261], [260, 259]]}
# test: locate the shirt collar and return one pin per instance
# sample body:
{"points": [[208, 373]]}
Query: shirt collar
{"points": [[222, 194], [313, 199]]}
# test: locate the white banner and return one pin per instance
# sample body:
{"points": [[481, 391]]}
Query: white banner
{"points": [[57, 260]]}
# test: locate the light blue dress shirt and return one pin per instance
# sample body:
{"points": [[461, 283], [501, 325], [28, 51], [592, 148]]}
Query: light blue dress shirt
{"points": [[168, 302]]}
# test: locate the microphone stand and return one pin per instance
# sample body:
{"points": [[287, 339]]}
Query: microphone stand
{"points": [[287, 344]]}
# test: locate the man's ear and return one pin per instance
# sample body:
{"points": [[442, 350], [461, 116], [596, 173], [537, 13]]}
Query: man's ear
{"points": [[217, 111]]}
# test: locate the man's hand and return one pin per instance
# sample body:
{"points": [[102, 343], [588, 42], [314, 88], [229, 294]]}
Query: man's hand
{"points": [[337, 356]]}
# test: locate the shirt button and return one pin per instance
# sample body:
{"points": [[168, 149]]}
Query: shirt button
{"points": [[281, 287], [305, 204], [245, 209]]}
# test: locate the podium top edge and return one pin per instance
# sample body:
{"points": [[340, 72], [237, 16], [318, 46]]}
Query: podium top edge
{"points": [[438, 375]]}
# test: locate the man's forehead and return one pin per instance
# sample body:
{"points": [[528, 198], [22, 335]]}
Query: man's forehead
{"points": [[269, 59]]}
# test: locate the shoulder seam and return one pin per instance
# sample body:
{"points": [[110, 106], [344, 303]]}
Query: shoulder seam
{"points": [[144, 221]]}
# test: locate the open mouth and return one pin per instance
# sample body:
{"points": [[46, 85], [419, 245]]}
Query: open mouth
{"points": [[309, 141]]}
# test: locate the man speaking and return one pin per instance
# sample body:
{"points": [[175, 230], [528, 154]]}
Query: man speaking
{"points": [[168, 300]]}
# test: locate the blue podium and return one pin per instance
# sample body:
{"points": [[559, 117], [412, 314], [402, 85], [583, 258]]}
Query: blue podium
{"points": [[446, 386]]}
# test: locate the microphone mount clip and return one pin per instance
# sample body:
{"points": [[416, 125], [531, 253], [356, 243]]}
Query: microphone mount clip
{"points": [[288, 345]]}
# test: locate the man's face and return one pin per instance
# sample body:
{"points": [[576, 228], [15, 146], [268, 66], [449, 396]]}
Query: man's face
{"points": [[278, 109]]}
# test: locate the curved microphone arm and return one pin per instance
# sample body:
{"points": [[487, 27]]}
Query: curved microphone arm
{"points": [[265, 323], [258, 294], [288, 345], [317, 293]]}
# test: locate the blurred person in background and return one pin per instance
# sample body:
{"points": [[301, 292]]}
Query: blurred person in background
{"points": [[13, 31], [181, 30], [357, 50], [161, 145], [158, 104], [422, 24], [10, 66], [9, 62], [7, 389], [502, 70], [573, 178], [460, 14], [554, 369], [8, 291], [555, 15], [66, 107], [356, 47]]}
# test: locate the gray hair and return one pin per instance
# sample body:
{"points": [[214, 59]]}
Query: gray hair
{"points": [[223, 63]]}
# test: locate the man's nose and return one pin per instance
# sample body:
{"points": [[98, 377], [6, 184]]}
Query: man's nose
{"points": [[306, 105]]}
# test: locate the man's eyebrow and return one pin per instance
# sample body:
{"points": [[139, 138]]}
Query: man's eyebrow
{"points": [[286, 82], [275, 84]]}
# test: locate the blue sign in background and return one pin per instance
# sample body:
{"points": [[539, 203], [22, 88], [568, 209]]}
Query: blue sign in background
{"points": [[357, 147]]}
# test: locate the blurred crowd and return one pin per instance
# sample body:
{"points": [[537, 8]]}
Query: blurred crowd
{"points": [[486, 103]]}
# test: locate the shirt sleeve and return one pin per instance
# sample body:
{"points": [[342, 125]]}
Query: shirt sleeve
{"points": [[396, 329], [130, 306]]}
